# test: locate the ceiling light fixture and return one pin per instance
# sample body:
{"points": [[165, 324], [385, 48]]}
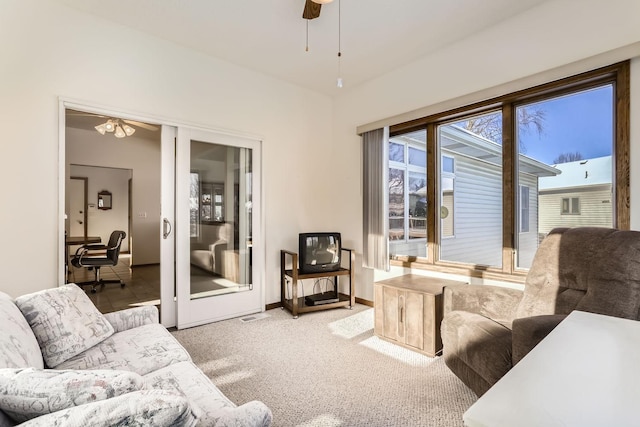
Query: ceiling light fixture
{"points": [[117, 127], [322, 1]]}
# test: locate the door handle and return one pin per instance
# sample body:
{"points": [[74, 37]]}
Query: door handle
{"points": [[166, 228]]}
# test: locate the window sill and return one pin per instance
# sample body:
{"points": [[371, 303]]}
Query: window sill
{"points": [[480, 272]]}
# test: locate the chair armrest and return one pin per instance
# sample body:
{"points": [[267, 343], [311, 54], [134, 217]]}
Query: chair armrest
{"points": [[133, 317], [494, 302], [95, 246], [145, 407], [527, 332]]}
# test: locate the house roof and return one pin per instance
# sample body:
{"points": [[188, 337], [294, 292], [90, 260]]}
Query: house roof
{"points": [[580, 173]]}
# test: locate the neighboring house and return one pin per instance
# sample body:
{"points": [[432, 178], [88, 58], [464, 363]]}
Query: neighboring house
{"points": [[580, 196], [471, 201]]}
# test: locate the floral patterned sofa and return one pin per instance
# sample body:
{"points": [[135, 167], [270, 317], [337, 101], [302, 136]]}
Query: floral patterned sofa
{"points": [[63, 363]]}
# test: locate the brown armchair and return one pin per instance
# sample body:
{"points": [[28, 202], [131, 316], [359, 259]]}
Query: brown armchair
{"points": [[488, 329]]}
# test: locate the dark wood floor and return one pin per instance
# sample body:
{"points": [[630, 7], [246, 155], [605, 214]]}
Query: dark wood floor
{"points": [[142, 285]]}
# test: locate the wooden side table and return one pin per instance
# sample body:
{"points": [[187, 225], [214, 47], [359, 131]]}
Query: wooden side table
{"points": [[408, 311], [297, 305]]}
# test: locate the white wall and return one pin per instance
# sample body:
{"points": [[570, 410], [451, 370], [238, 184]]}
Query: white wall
{"points": [[57, 52], [101, 222], [551, 35]]}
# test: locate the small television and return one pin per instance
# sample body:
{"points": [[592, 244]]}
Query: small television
{"points": [[319, 252]]}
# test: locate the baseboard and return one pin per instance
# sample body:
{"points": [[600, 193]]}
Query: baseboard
{"points": [[364, 302], [273, 305]]}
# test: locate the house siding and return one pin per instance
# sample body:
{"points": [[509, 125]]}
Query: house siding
{"points": [[477, 214], [596, 208]]}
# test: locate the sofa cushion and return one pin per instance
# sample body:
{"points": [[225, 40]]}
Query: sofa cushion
{"points": [[29, 393], [216, 409], [18, 345], [133, 317], [64, 321], [142, 350], [155, 408]]}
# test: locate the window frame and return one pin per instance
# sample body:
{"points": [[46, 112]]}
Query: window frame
{"points": [[617, 74]]}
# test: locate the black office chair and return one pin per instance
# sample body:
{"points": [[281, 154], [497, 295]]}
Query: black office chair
{"points": [[85, 257]]}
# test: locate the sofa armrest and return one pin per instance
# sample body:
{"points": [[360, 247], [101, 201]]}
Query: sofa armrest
{"points": [[145, 407], [254, 414], [133, 317], [527, 332], [494, 302]]}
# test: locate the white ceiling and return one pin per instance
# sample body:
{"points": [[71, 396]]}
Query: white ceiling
{"points": [[269, 35]]}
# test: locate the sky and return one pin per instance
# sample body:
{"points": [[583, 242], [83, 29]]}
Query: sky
{"points": [[581, 122]]}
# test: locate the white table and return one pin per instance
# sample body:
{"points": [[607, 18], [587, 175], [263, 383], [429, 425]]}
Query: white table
{"points": [[586, 372]]}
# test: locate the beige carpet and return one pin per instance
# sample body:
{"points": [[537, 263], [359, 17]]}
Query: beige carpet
{"points": [[327, 369]]}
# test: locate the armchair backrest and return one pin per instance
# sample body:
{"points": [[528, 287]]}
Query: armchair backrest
{"points": [[115, 241], [586, 268]]}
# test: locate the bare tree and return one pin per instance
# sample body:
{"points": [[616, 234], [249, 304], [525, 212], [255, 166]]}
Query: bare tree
{"points": [[529, 119], [568, 157]]}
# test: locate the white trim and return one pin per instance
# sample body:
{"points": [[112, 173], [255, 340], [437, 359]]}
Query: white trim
{"points": [[62, 175]]}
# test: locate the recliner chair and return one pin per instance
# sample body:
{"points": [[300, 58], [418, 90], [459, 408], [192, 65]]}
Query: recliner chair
{"points": [[487, 329], [85, 257]]}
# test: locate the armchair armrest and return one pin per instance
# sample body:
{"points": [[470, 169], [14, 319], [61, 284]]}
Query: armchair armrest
{"points": [[527, 332], [254, 413], [494, 302], [133, 317]]}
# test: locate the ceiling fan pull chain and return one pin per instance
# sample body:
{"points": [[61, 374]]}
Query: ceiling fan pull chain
{"points": [[339, 81]]}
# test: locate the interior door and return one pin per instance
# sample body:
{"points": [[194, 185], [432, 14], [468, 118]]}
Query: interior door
{"points": [[167, 225], [218, 233], [77, 189]]}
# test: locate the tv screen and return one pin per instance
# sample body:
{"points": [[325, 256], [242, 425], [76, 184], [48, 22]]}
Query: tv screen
{"points": [[319, 252]]}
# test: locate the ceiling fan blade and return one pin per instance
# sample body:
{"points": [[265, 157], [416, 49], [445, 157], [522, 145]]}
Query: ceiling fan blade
{"points": [[311, 10], [141, 125]]}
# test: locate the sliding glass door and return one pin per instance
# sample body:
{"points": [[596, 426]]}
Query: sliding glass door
{"points": [[218, 236]]}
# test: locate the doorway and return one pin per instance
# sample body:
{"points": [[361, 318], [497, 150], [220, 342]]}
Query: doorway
{"points": [[228, 198], [128, 169]]}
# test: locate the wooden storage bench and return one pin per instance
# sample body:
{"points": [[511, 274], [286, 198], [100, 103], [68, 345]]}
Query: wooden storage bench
{"points": [[408, 311]]}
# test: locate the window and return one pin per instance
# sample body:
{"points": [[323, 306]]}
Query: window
{"points": [[571, 206], [524, 209], [408, 194], [477, 194], [565, 146], [512, 168]]}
